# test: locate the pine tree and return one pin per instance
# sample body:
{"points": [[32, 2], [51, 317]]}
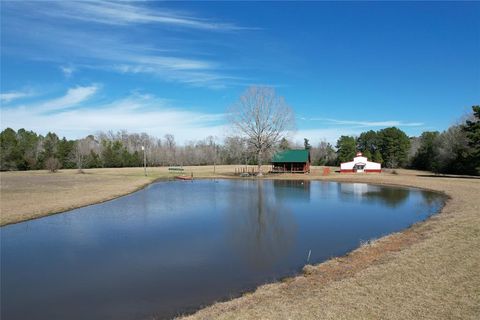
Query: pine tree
{"points": [[472, 129], [346, 148]]}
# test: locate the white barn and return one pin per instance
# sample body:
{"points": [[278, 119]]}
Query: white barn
{"points": [[360, 164]]}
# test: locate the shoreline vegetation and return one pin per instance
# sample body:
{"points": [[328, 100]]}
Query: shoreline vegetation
{"points": [[427, 271]]}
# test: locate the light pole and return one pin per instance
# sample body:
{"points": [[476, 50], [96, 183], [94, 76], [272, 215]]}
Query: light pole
{"points": [[214, 156], [144, 161]]}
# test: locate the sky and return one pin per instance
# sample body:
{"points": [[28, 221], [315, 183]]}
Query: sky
{"points": [[76, 68]]}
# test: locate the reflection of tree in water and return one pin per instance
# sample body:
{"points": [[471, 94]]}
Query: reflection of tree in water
{"points": [[294, 189], [391, 197], [261, 229], [432, 199]]}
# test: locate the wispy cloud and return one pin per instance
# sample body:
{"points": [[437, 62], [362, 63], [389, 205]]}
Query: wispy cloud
{"points": [[330, 135], [359, 123], [113, 53], [63, 33], [11, 96], [135, 113], [73, 97], [115, 13], [67, 71]]}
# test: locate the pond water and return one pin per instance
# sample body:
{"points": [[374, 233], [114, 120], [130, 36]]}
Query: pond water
{"points": [[176, 246]]}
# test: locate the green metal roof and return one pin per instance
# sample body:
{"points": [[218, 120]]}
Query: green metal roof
{"points": [[291, 156]]}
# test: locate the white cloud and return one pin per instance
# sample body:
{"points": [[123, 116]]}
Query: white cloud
{"points": [[73, 97], [115, 13], [332, 129], [67, 71], [111, 53], [11, 96], [388, 123], [170, 56], [330, 135], [136, 113]]}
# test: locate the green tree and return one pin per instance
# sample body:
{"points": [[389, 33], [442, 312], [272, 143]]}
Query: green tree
{"points": [[472, 130], [367, 154], [112, 154], [346, 148], [377, 157], [115, 155], [10, 155], [27, 146], [50, 145], [368, 141], [394, 145], [425, 157], [64, 150], [93, 160], [306, 144], [452, 151]]}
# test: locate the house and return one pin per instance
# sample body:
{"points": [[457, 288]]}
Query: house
{"points": [[360, 164], [294, 161]]}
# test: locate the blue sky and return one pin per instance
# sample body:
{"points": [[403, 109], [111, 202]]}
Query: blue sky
{"points": [[175, 67]]}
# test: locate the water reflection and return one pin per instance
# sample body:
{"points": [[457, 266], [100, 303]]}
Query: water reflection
{"points": [[391, 197], [298, 190], [261, 228], [431, 198]]}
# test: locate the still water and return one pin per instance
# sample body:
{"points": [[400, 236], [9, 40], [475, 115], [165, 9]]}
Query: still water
{"points": [[176, 246]]}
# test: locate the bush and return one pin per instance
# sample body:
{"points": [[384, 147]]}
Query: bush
{"points": [[52, 164]]}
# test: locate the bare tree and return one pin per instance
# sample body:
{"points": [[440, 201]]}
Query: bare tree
{"points": [[323, 154], [81, 151], [235, 150], [263, 118], [170, 146]]}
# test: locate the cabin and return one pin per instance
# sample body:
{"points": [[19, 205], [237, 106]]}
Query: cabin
{"points": [[293, 161], [360, 164]]}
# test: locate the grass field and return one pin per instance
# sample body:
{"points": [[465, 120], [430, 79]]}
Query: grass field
{"points": [[429, 271]]}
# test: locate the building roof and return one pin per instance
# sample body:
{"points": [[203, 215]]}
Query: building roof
{"points": [[291, 156]]}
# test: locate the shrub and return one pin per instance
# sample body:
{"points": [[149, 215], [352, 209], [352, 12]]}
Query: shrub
{"points": [[52, 164]]}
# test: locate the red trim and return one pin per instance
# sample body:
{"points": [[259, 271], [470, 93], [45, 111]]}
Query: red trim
{"points": [[365, 171]]}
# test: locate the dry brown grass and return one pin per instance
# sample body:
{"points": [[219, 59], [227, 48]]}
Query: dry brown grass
{"points": [[429, 271]]}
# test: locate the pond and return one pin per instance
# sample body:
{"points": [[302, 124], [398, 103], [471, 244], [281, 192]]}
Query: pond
{"points": [[174, 247]]}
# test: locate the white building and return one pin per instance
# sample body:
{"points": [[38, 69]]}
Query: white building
{"points": [[360, 164]]}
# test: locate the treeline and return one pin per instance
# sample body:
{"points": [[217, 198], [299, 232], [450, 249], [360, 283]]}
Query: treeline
{"points": [[456, 150], [27, 150], [389, 146]]}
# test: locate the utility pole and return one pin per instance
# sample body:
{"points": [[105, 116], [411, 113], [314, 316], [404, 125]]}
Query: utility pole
{"points": [[214, 156], [144, 161]]}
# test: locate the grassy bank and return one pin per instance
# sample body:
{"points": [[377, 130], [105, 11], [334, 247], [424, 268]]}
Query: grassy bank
{"points": [[429, 271]]}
